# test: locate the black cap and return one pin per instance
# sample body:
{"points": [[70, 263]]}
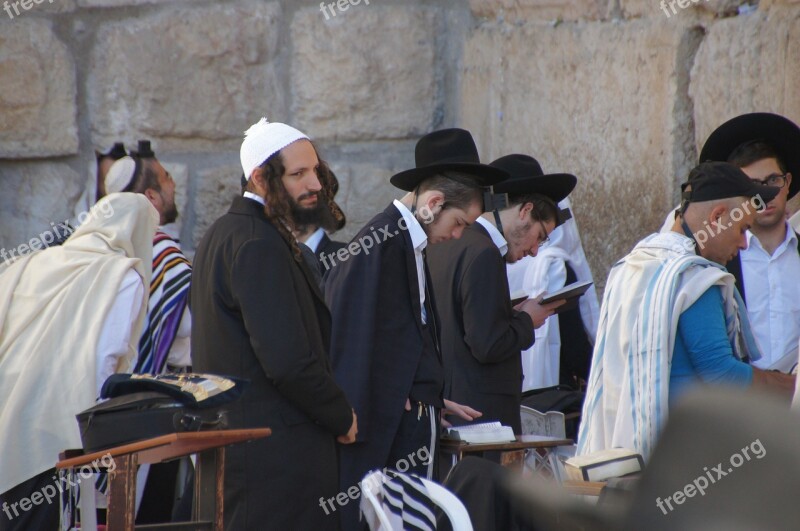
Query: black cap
{"points": [[116, 152], [721, 180], [143, 151], [526, 177], [780, 133], [443, 150]]}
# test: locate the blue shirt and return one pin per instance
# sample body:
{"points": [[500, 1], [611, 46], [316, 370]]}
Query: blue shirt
{"points": [[703, 352]]}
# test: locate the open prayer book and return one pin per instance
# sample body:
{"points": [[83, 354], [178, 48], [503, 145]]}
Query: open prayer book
{"points": [[604, 464], [484, 432]]}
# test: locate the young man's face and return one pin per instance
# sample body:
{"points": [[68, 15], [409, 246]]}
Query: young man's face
{"points": [[524, 235], [762, 171], [450, 222], [300, 176]]}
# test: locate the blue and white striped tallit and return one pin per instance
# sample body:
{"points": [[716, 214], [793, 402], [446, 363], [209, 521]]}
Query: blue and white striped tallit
{"points": [[627, 396], [408, 503]]}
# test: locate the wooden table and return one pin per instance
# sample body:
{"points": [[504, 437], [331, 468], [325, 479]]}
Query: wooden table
{"points": [[512, 454], [207, 511]]}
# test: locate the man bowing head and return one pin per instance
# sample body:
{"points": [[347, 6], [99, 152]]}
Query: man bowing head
{"points": [[385, 342]]}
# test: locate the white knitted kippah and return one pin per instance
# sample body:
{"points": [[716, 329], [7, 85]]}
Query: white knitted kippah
{"points": [[264, 139], [120, 175]]}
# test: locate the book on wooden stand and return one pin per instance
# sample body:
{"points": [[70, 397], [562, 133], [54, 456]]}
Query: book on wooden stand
{"points": [[604, 464], [481, 433]]}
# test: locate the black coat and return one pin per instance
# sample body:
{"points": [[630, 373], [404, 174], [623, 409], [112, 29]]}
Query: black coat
{"points": [[482, 337], [327, 247], [257, 314], [377, 340]]}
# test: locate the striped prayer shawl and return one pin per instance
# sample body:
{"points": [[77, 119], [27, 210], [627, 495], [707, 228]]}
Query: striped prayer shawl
{"points": [[408, 503], [169, 294], [627, 396]]}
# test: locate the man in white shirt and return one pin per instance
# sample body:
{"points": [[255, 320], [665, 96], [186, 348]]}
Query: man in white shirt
{"points": [[767, 148]]}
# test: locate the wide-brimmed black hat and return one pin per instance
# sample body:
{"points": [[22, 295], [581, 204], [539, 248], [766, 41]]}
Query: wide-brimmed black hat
{"points": [[720, 180], [447, 150], [526, 177], [779, 132]]}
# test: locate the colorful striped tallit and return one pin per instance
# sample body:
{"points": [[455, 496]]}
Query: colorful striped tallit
{"points": [[169, 295]]}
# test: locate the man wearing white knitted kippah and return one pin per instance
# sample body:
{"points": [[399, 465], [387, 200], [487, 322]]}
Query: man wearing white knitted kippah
{"points": [[259, 314]]}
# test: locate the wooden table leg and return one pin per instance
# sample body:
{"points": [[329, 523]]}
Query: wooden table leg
{"points": [[209, 482], [121, 514], [513, 459]]}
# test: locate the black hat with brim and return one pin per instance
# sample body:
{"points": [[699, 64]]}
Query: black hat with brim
{"points": [[779, 132], [710, 181], [527, 177], [447, 150]]}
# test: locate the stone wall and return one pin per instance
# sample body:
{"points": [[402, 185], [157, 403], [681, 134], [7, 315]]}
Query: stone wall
{"points": [[614, 91]]}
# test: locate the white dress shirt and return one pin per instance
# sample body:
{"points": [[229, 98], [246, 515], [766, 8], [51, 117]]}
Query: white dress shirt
{"points": [[772, 295], [116, 332], [494, 234], [313, 241], [419, 240]]}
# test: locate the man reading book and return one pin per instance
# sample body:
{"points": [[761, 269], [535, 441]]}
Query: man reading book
{"points": [[672, 318], [482, 336]]}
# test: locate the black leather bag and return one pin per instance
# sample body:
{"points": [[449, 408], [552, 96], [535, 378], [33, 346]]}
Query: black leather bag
{"points": [[137, 412]]}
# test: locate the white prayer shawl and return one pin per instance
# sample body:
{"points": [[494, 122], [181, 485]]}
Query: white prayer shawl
{"points": [[52, 307], [627, 397], [546, 272]]}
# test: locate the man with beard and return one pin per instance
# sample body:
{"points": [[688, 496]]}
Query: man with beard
{"points": [[385, 343], [166, 335], [482, 335], [767, 148], [259, 315], [313, 229]]}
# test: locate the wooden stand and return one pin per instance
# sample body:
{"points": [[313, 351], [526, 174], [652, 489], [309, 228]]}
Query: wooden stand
{"points": [[209, 446], [512, 454]]}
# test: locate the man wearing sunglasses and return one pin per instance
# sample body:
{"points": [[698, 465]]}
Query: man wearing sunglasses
{"points": [[767, 149]]}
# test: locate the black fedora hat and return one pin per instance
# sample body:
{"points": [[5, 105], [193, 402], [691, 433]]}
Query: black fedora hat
{"points": [[527, 177], [779, 132], [447, 149]]}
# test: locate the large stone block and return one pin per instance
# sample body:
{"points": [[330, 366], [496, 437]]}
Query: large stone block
{"points": [[194, 79], [747, 64], [37, 92], [370, 72], [515, 10], [611, 107], [215, 189], [679, 9], [36, 197], [118, 3], [364, 190]]}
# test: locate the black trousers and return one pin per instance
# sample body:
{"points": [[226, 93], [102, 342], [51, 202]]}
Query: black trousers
{"points": [[42, 516]]}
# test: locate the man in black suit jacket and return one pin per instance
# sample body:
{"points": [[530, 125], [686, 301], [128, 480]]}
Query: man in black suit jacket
{"points": [[482, 336], [259, 315], [385, 337]]}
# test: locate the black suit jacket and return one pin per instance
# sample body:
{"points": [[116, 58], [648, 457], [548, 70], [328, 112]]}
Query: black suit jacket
{"points": [[482, 337], [258, 314], [326, 248], [377, 338]]}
